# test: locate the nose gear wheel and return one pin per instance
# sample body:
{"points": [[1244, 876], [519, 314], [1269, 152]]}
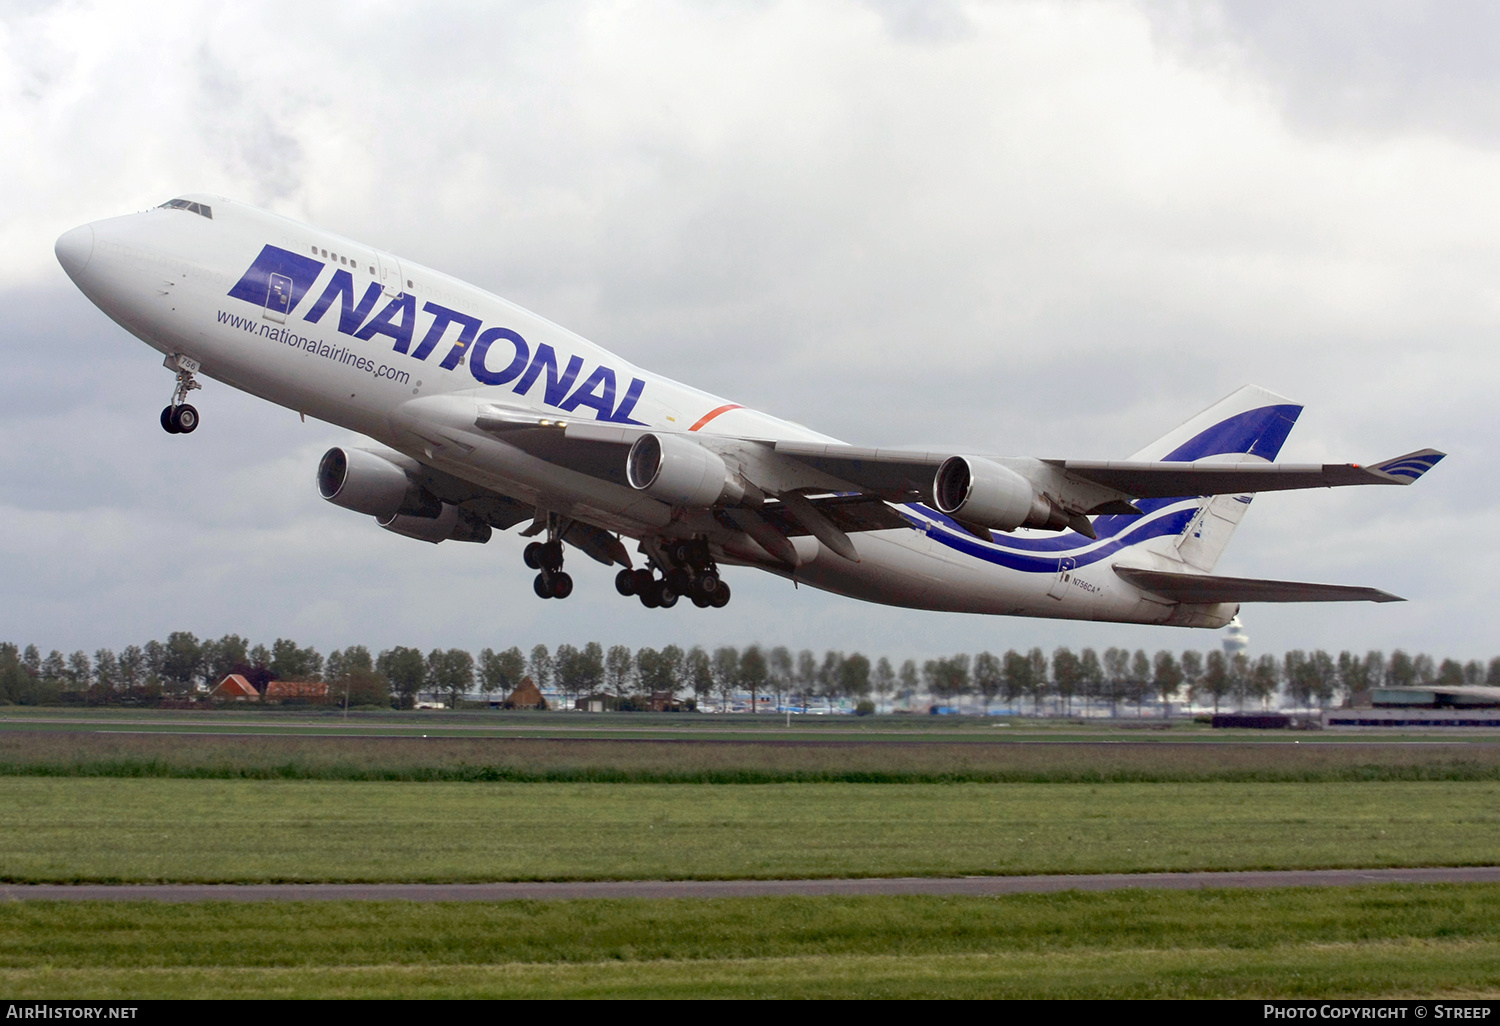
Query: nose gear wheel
{"points": [[179, 418]]}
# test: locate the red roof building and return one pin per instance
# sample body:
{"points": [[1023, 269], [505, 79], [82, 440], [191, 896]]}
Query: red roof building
{"points": [[235, 688]]}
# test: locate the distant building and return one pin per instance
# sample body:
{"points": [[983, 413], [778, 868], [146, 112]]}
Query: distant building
{"points": [[1424, 705], [1437, 696], [234, 688], [311, 691]]}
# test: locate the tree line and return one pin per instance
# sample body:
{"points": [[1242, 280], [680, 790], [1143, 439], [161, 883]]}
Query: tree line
{"points": [[182, 668]]}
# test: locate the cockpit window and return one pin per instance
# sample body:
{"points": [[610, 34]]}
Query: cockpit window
{"points": [[201, 209]]}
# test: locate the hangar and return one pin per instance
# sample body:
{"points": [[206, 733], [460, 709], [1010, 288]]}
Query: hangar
{"points": [[1424, 705]]}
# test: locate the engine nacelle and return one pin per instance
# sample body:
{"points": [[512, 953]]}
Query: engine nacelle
{"points": [[990, 495], [681, 473], [450, 525], [360, 480]]}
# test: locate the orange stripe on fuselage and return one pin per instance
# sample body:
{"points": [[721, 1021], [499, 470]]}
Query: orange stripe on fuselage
{"points": [[711, 414]]}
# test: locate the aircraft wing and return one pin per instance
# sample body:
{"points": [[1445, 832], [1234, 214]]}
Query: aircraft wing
{"points": [[887, 471], [899, 475], [1167, 480], [1206, 588]]}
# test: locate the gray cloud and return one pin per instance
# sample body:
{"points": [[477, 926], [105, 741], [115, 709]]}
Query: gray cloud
{"points": [[1357, 65], [1053, 229]]}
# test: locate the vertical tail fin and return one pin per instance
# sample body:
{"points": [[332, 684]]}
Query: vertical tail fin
{"points": [[1248, 426]]}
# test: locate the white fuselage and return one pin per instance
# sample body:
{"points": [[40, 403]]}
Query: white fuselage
{"points": [[406, 355]]}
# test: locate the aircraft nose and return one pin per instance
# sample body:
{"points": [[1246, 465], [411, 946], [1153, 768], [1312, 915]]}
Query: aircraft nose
{"points": [[74, 248]]}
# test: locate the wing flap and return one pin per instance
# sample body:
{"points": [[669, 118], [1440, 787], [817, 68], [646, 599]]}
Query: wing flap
{"points": [[597, 450], [1206, 588], [895, 474], [851, 514]]}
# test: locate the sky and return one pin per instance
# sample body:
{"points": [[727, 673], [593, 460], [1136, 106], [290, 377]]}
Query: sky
{"points": [[1031, 228]]}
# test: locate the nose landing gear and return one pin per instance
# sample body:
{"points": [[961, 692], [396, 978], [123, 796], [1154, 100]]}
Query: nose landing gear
{"points": [[179, 418]]}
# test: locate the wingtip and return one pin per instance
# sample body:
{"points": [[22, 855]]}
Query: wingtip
{"points": [[1406, 469]]}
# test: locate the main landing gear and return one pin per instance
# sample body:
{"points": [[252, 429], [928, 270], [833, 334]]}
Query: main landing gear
{"points": [[547, 557], [691, 573], [179, 418]]}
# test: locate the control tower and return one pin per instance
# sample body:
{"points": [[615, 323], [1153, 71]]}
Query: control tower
{"points": [[1236, 641]]}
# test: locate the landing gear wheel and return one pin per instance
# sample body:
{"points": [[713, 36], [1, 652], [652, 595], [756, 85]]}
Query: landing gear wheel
{"points": [[551, 555], [665, 596], [562, 585], [701, 602], [625, 582], [533, 555], [707, 585], [679, 580], [541, 587], [720, 598], [648, 598], [166, 422], [185, 418], [643, 581], [698, 553]]}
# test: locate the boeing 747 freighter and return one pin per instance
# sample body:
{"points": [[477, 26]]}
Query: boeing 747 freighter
{"points": [[484, 416]]}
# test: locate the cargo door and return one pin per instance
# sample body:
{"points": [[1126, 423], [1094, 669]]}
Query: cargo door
{"points": [[391, 280], [1064, 577], [278, 298]]}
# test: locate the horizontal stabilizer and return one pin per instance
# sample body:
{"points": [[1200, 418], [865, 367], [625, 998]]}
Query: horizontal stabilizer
{"points": [[1207, 589]]}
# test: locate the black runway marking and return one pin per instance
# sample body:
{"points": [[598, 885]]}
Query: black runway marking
{"points": [[564, 890]]}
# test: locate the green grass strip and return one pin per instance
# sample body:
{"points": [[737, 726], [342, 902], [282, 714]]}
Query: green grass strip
{"points": [[105, 830], [458, 760], [1377, 941]]}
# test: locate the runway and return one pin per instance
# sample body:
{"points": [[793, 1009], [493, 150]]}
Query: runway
{"points": [[573, 890]]}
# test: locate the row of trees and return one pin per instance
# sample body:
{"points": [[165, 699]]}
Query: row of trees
{"points": [[182, 667]]}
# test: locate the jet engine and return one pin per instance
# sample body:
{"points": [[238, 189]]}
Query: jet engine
{"points": [[452, 524], [980, 492], [681, 473], [368, 483]]}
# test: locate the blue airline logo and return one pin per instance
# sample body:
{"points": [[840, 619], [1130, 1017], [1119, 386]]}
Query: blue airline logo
{"points": [[281, 279]]}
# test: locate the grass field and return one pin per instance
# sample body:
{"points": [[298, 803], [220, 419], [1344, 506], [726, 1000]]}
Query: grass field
{"points": [[1388, 941], [103, 829], [118, 796], [1109, 756]]}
